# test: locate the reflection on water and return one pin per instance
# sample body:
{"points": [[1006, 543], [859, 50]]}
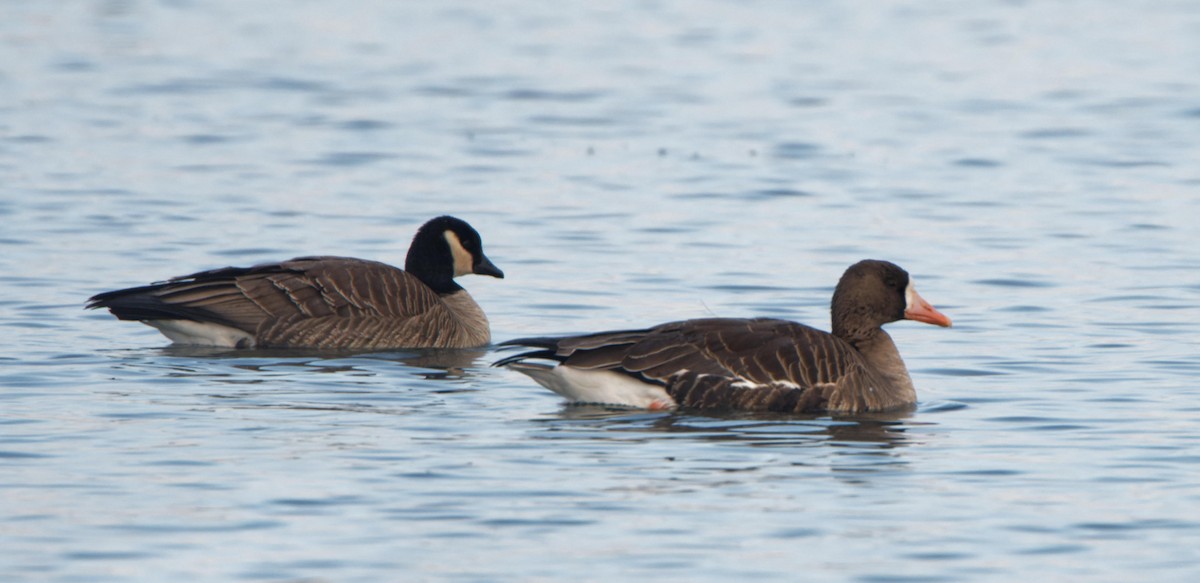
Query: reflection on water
{"points": [[382, 383], [628, 164], [444, 364], [885, 430]]}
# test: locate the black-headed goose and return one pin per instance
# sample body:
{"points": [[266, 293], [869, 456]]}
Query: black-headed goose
{"points": [[757, 364], [325, 302]]}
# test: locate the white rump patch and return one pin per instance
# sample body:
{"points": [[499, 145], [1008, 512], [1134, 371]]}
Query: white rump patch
{"points": [[603, 387], [464, 263], [202, 333]]}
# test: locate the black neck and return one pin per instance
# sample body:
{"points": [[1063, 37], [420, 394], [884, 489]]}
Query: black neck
{"points": [[430, 260]]}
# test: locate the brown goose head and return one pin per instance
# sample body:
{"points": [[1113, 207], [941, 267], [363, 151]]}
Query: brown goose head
{"points": [[872, 293], [444, 248]]}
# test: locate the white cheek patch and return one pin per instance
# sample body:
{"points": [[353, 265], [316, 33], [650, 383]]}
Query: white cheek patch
{"points": [[464, 263]]}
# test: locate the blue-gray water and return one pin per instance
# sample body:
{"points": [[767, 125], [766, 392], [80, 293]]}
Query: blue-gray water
{"points": [[1033, 164]]}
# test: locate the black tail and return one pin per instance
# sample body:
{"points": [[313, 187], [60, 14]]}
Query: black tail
{"points": [[145, 303], [151, 302], [544, 354]]}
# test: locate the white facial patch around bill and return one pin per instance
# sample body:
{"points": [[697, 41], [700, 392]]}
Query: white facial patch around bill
{"points": [[464, 263], [910, 295]]}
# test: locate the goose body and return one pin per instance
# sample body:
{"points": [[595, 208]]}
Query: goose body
{"points": [[759, 364], [326, 301]]}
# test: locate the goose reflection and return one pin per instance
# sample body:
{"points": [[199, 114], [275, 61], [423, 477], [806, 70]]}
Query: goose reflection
{"points": [[883, 430], [430, 363]]}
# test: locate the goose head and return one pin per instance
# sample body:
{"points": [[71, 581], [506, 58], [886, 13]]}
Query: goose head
{"points": [[872, 293], [445, 248]]}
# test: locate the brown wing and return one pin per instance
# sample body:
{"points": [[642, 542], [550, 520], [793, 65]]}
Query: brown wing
{"points": [[336, 286], [351, 303], [758, 364], [327, 302]]}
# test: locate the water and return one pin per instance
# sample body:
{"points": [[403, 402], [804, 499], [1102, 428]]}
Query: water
{"points": [[1032, 164]]}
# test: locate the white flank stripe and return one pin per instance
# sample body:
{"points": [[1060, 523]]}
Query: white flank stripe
{"points": [[202, 333], [597, 386]]}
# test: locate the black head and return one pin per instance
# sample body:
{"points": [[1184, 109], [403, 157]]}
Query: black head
{"points": [[445, 248], [872, 293]]}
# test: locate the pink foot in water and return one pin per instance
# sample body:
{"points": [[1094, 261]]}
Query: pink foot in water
{"points": [[661, 405]]}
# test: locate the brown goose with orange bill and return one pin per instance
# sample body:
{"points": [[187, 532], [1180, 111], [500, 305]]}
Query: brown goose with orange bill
{"points": [[756, 364]]}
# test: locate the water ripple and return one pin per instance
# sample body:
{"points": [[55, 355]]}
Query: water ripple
{"points": [[349, 159], [571, 120], [626, 163], [192, 527], [1014, 282], [552, 96], [796, 150]]}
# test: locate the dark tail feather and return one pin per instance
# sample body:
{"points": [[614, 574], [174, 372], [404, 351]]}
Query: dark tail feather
{"points": [[548, 342], [544, 354], [142, 303], [108, 298]]}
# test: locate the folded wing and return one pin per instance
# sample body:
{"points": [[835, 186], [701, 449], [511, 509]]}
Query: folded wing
{"points": [[323, 302], [757, 364]]}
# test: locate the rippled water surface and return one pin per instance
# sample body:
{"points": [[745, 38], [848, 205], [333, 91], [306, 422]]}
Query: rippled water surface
{"points": [[1034, 165]]}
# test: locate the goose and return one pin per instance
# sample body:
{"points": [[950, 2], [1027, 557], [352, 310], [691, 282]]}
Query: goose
{"points": [[758, 364], [325, 301]]}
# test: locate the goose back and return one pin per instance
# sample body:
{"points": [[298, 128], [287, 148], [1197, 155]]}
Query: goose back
{"points": [[759, 364], [317, 302], [748, 364]]}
